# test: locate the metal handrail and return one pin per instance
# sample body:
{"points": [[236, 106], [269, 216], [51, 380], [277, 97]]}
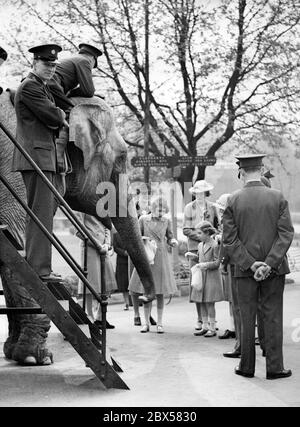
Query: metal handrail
{"points": [[75, 221], [53, 239], [80, 226]]}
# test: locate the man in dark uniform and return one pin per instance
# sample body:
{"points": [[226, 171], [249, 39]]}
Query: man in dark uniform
{"points": [[73, 76], [38, 121], [3, 58], [257, 233]]}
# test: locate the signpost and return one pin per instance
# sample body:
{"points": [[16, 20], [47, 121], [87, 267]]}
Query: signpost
{"points": [[172, 161]]}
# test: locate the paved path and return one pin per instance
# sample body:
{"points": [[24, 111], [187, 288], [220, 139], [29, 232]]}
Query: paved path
{"points": [[175, 369]]}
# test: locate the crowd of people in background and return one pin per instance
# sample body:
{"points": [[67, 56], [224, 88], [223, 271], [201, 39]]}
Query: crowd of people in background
{"points": [[223, 264]]}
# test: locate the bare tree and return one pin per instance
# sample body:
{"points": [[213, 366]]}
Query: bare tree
{"points": [[226, 73]]}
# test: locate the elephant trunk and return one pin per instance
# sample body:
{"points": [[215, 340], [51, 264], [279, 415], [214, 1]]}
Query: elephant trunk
{"points": [[129, 231]]}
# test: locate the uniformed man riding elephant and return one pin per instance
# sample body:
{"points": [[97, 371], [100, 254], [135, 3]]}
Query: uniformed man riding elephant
{"points": [[101, 156]]}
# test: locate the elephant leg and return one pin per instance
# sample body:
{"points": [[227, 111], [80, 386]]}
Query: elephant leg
{"points": [[27, 333], [14, 324]]}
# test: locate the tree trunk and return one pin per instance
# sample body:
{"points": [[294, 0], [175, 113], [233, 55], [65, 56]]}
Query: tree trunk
{"points": [[201, 172], [186, 176]]}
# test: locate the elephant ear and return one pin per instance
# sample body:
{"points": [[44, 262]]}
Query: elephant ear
{"points": [[88, 129]]}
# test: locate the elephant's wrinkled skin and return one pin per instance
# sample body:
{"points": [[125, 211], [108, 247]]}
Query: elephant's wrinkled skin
{"points": [[103, 160]]}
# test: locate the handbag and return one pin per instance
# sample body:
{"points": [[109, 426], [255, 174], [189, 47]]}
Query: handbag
{"points": [[150, 248], [197, 279]]}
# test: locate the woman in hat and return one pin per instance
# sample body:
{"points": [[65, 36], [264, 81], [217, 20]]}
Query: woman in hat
{"points": [[195, 212], [156, 226]]}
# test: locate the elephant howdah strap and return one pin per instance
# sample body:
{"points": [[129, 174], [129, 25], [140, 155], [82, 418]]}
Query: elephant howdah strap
{"points": [[63, 165]]}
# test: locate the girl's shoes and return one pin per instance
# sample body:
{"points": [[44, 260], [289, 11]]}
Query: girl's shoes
{"points": [[210, 334], [145, 328], [198, 326], [160, 329], [137, 321], [201, 332], [152, 321]]}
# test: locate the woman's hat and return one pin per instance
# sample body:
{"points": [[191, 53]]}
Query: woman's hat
{"points": [[200, 187], [221, 203], [268, 174]]}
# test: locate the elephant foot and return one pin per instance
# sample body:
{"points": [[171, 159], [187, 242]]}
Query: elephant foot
{"points": [[30, 350], [33, 361], [9, 346]]}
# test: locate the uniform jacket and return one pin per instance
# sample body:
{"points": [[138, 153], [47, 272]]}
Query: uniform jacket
{"points": [[257, 227], [73, 71], [38, 120], [191, 219]]}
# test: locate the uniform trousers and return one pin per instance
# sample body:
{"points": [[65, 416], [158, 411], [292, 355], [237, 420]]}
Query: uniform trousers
{"points": [[43, 204], [269, 293], [236, 311]]}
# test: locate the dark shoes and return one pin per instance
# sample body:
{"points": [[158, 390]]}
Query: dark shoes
{"points": [[237, 371], [227, 334], [137, 321], [201, 332], [152, 321], [232, 354], [52, 277], [285, 373], [99, 324]]}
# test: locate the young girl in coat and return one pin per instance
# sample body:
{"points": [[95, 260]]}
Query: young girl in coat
{"points": [[212, 292], [156, 226]]}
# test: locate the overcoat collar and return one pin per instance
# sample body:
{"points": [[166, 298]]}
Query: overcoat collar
{"points": [[206, 204], [254, 184], [150, 218], [32, 75], [208, 246]]}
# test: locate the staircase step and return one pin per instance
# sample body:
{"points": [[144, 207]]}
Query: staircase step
{"points": [[21, 310]]}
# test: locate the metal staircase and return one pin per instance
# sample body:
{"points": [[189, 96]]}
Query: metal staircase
{"points": [[92, 349]]}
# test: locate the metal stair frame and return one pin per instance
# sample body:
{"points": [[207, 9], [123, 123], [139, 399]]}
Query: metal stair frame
{"points": [[39, 290]]}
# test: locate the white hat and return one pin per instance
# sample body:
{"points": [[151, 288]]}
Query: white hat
{"points": [[221, 203], [201, 186]]}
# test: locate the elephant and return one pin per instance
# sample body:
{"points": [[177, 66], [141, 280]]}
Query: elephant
{"points": [[97, 154]]}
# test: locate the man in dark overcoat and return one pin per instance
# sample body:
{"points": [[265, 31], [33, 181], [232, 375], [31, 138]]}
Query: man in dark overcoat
{"points": [[73, 76], [38, 121], [257, 233]]}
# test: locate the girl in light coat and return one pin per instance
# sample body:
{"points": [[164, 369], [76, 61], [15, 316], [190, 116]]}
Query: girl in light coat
{"points": [[211, 292]]}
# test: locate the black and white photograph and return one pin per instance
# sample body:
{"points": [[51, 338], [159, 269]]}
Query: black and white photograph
{"points": [[149, 206]]}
